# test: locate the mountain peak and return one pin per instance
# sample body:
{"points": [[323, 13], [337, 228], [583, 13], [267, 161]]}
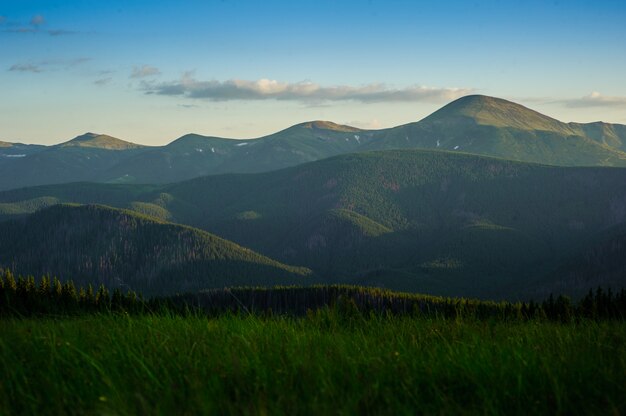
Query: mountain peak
{"points": [[191, 140], [100, 141], [498, 112], [328, 125]]}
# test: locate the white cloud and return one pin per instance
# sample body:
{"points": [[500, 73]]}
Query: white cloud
{"points": [[144, 71], [595, 99], [266, 89]]}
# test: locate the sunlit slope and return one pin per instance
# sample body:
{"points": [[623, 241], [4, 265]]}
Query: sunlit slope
{"points": [[495, 127]]}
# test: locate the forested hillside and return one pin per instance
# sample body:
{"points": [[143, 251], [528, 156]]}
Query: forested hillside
{"points": [[122, 249], [436, 222]]}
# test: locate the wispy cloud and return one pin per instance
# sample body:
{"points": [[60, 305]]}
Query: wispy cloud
{"points": [[61, 32], [265, 89], [595, 99], [103, 81], [50, 64], [144, 71], [22, 30], [33, 26], [37, 20], [65, 62], [25, 68]]}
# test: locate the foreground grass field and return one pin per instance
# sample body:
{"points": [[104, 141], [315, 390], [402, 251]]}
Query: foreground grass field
{"points": [[320, 364]]}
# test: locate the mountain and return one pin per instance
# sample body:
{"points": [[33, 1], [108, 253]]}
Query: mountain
{"points": [[98, 244], [473, 124], [11, 151], [193, 155], [611, 135], [438, 222], [100, 141], [494, 127], [83, 158]]}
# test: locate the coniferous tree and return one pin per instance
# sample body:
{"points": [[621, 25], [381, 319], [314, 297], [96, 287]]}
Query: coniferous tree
{"points": [[69, 296], [117, 299], [44, 286], [103, 300], [57, 288], [90, 297], [11, 284]]}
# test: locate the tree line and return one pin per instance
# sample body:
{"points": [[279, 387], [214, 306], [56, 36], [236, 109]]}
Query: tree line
{"points": [[26, 296]]}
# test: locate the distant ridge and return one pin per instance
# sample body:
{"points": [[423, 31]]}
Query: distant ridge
{"points": [[329, 125], [474, 124], [100, 141]]}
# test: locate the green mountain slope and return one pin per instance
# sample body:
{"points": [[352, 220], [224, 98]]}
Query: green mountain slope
{"points": [[611, 135], [102, 245], [495, 127], [474, 124], [439, 222], [193, 155]]}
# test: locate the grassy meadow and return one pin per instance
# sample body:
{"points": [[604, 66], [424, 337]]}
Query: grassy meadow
{"points": [[321, 363]]}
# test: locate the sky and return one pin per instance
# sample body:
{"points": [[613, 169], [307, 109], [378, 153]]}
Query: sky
{"points": [[152, 71]]}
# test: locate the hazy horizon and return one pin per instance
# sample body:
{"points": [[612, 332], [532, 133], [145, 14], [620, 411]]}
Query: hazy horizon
{"points": [[208, 134]]}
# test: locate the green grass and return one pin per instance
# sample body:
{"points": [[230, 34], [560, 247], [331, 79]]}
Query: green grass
{"points": [[320, 364]]}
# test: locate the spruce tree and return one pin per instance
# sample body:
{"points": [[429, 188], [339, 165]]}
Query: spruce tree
{"points": [[11, 284], [44, 286]]}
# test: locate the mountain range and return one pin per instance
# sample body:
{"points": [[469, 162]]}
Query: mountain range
{"points": [[431, 221], [473, 124]]}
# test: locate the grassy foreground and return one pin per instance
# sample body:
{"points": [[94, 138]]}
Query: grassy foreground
{"points": [[319, 364]]}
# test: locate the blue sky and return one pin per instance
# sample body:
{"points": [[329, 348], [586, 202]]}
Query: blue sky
{"points": [[150, 71]]}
